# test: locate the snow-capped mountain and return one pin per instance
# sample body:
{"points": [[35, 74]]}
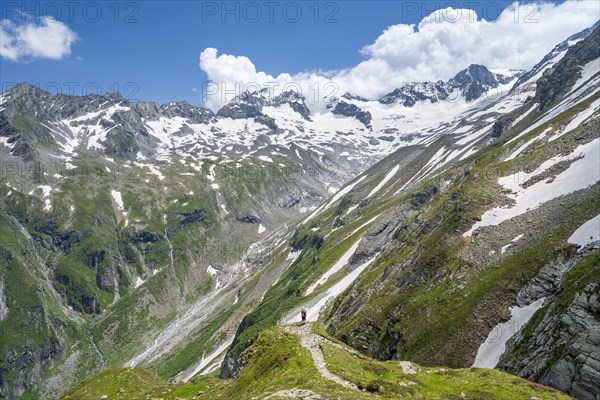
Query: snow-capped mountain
{"points": [[349, 136], [480, 248], [169, 236], [470, 84]]}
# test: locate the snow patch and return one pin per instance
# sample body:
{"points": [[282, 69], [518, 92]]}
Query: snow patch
{"points": [[211, 271], [138, 282], [118, 199], [265, 158], [314, 310], [587, 233], [341, 263], [578, 120], [208, 359], [581, 174], [494, 346], [587, 72], [385, 180], [334, 198], [517, 238]]}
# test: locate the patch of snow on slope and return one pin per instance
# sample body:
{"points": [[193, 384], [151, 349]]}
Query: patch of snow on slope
{"points": [[313, 311], [587, 72], [211, 271], [138, 282], [579, 119], [45, 190], [571, 100], [587, 233], [118, 199], [525, 145], [4, 142], [341, 263], [581, 174], [491, 350], [385, 180], [526, 113], [206, 360], [211, 173], [155, 171], [265, 158], [333, 199]]}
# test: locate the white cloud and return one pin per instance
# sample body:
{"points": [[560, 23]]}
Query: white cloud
{"points": [[46, 38], [443, 43]]}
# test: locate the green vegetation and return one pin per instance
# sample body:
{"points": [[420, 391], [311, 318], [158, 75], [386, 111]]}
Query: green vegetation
{"points": [[277, 363], [427, 273]]}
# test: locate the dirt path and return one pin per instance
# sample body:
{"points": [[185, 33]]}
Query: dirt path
{"points": [[311, 342]]}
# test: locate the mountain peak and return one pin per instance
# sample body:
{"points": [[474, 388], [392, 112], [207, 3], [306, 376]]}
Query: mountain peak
{"points": [[250, 104], [472, 82], [477, 79]]}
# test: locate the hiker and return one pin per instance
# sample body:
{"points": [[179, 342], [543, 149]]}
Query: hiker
{"points": [[303, 314]]}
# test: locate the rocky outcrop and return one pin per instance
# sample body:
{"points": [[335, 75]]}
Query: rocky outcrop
{"points": [[22, 368], [105, 278], [144, 237], [198, 215], [561, 347], [476, 80], [249, 218], [351, 110], [559, 80]]}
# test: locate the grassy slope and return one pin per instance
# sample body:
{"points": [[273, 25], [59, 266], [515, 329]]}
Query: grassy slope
{"points": [[82, 207], [277, 362], [447, 318], [450, 307]]}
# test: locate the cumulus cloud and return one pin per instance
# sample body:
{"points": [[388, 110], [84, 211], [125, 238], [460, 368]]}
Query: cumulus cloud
{"points": [[440, 45], [46, 38]]}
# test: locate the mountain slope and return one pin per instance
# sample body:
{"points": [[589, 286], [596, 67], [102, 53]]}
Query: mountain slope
{"points": [[169, 236], [156, 228], [424, 254], [283, 363]]}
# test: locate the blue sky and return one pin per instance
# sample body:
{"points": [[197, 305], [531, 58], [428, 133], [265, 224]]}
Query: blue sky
{"points": [[156, 45]]}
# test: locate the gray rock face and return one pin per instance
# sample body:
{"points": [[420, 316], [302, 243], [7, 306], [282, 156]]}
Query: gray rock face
{"points": [[351, 96], [250, 105], [351, 110], [476, 80], [28, 364], [410, 93], [562, 349], [105, 279], [295, 100], [246, 105], [470, 83], [30, 108], [548, 58], [558, 80], [248, 218]]}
